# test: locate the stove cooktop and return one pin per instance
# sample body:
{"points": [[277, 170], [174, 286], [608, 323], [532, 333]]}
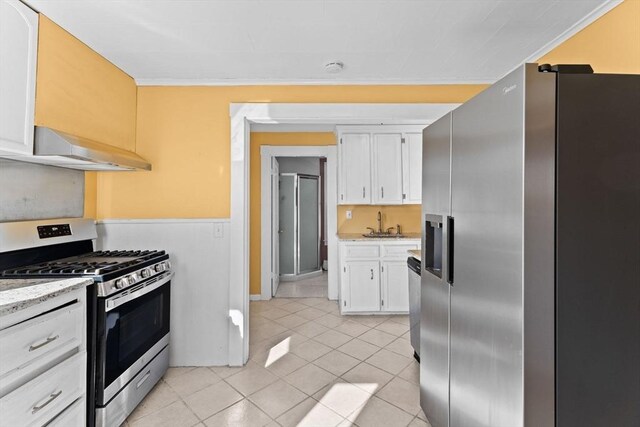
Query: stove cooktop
{"points": [[100, 265]]}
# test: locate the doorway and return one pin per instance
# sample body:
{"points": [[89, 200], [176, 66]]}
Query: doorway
{"points": [[299, 211]]}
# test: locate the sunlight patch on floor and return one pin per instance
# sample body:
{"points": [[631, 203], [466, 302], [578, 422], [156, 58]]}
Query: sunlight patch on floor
{"points": [[347, 399], [277, 351]]}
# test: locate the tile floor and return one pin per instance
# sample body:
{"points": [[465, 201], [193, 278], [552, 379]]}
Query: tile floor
{"points": [[312, 287], [308, 366]]}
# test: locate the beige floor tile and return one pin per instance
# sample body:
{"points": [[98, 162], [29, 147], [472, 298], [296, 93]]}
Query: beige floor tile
{"points": [[279, 302], [277, 398], [251, 379], [294, 307], [310, 350], [389, 361], [291, 321], [411, 373], [421, 415], [336, 362], [376, 337], [280, 364], [368, 374], [176, 414], [417, 422], [370, 321], [275, 313], [212, 399], [333, 338], [266, 330], [403, 394], [226, 371], [352, 328], [310, 378], [359, 349], [378, 413], [311, 313], [309, 413], [329, 320], [342, 397], [176, 372], [160, 396], [328, 306], [401, 346], [406, 336], [310, 329], [243, 413], [393, 328], [404, 320], [192, 381], [287, 338], [312, 302]]}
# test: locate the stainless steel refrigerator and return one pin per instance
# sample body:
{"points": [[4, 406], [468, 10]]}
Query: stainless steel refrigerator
{"points": [[531, 254]]}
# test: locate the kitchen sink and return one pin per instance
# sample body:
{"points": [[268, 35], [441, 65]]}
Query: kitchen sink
{"points": [[384, 236]]}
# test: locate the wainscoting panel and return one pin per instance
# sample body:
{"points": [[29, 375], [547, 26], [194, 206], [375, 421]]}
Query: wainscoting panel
{"points": [[199, 251]]}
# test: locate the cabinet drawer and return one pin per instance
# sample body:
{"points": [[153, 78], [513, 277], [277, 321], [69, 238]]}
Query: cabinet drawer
{"points": [[73, 416], [398, 250], [47, 395], [34, 339], [361, 251]]}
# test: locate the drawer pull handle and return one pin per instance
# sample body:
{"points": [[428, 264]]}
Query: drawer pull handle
{"points": [[52, 397], [372, 274], [146, 377], [42, 344]]}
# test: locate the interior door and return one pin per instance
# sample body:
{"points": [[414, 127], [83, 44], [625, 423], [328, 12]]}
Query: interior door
{"points": [[275, 226], [387, 168]]}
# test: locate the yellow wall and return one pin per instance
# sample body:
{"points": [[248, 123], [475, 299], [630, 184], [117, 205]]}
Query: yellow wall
{"points": [[184, 133], [610, 45], [408, 216], [80, 92]]}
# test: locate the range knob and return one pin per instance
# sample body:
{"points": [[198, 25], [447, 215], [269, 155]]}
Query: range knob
{"points": [[144, 273], [131, 279], [121, 283], [159, 267]]}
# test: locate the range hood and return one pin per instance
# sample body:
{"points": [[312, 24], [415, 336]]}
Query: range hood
{"points": [[61, 149]]}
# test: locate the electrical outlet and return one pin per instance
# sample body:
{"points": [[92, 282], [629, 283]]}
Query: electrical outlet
{"points": [[349, 215]]}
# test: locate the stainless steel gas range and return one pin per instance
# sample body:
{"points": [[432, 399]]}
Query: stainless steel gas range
{"points": [[128, 319]]}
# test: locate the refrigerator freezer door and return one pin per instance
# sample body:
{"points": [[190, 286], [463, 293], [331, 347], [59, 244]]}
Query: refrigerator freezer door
{"points": [[434, 322], [486, 297]]}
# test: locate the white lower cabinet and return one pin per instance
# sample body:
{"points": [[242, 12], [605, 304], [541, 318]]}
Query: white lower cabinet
{"points": [[43, 363], [374, 277]]}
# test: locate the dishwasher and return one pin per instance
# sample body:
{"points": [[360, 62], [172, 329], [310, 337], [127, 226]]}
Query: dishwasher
{"points": [[414, 305]]}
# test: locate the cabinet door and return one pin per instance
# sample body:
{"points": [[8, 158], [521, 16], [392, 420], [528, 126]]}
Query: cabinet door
{"points": [[387, 168], [355, 169], [412, 168], [395, 286], [361, 286], [18, 50]]}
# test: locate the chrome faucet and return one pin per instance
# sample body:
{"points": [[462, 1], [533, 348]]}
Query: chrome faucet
{"points": [[379, 222]]}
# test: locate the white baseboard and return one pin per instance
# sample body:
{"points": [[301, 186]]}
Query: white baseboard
{"points": [[256, 297]]}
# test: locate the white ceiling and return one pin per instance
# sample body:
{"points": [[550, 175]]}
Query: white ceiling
{"points": [[289, 41]]}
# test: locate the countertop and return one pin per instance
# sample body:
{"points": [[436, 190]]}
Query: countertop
{"points": [[360, 237], [18, 294], [416, 254]]}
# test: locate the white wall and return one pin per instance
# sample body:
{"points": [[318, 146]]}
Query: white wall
{"points": [[199, 253]]}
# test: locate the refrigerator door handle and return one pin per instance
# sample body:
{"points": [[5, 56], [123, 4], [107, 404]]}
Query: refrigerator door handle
{"points": [[450, 265]]}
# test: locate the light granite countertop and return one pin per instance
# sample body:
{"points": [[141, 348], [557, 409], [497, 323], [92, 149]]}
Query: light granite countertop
{"points": [[359, 236], [18, 294], [416, 253]]}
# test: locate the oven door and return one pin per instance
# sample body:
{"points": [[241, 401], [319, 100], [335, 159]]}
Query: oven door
{"points": [[132, 328]]}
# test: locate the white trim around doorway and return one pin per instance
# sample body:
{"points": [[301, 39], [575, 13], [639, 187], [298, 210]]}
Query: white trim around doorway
{"points": [[242, 116], [267, 153]]}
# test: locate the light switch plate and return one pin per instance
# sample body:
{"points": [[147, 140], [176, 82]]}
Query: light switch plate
{"points": [[349, 215]]}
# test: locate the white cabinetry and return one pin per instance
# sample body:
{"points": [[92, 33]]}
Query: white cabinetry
{"points": [[43, 362], [380, 165], [412, 168], [355, 168], [374, 276], [18, 53]]}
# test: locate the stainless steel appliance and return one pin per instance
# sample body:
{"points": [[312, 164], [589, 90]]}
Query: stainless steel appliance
{"points": [[530, 282], [128, 306], [414, 305]]}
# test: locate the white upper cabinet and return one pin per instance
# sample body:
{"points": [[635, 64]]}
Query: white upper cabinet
{"points": [[355, 168], [18, 53], [412, 168], [380, 164], [387, 168]]}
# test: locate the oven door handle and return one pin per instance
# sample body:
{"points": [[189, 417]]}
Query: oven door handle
{"points": [[118, 300]]}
